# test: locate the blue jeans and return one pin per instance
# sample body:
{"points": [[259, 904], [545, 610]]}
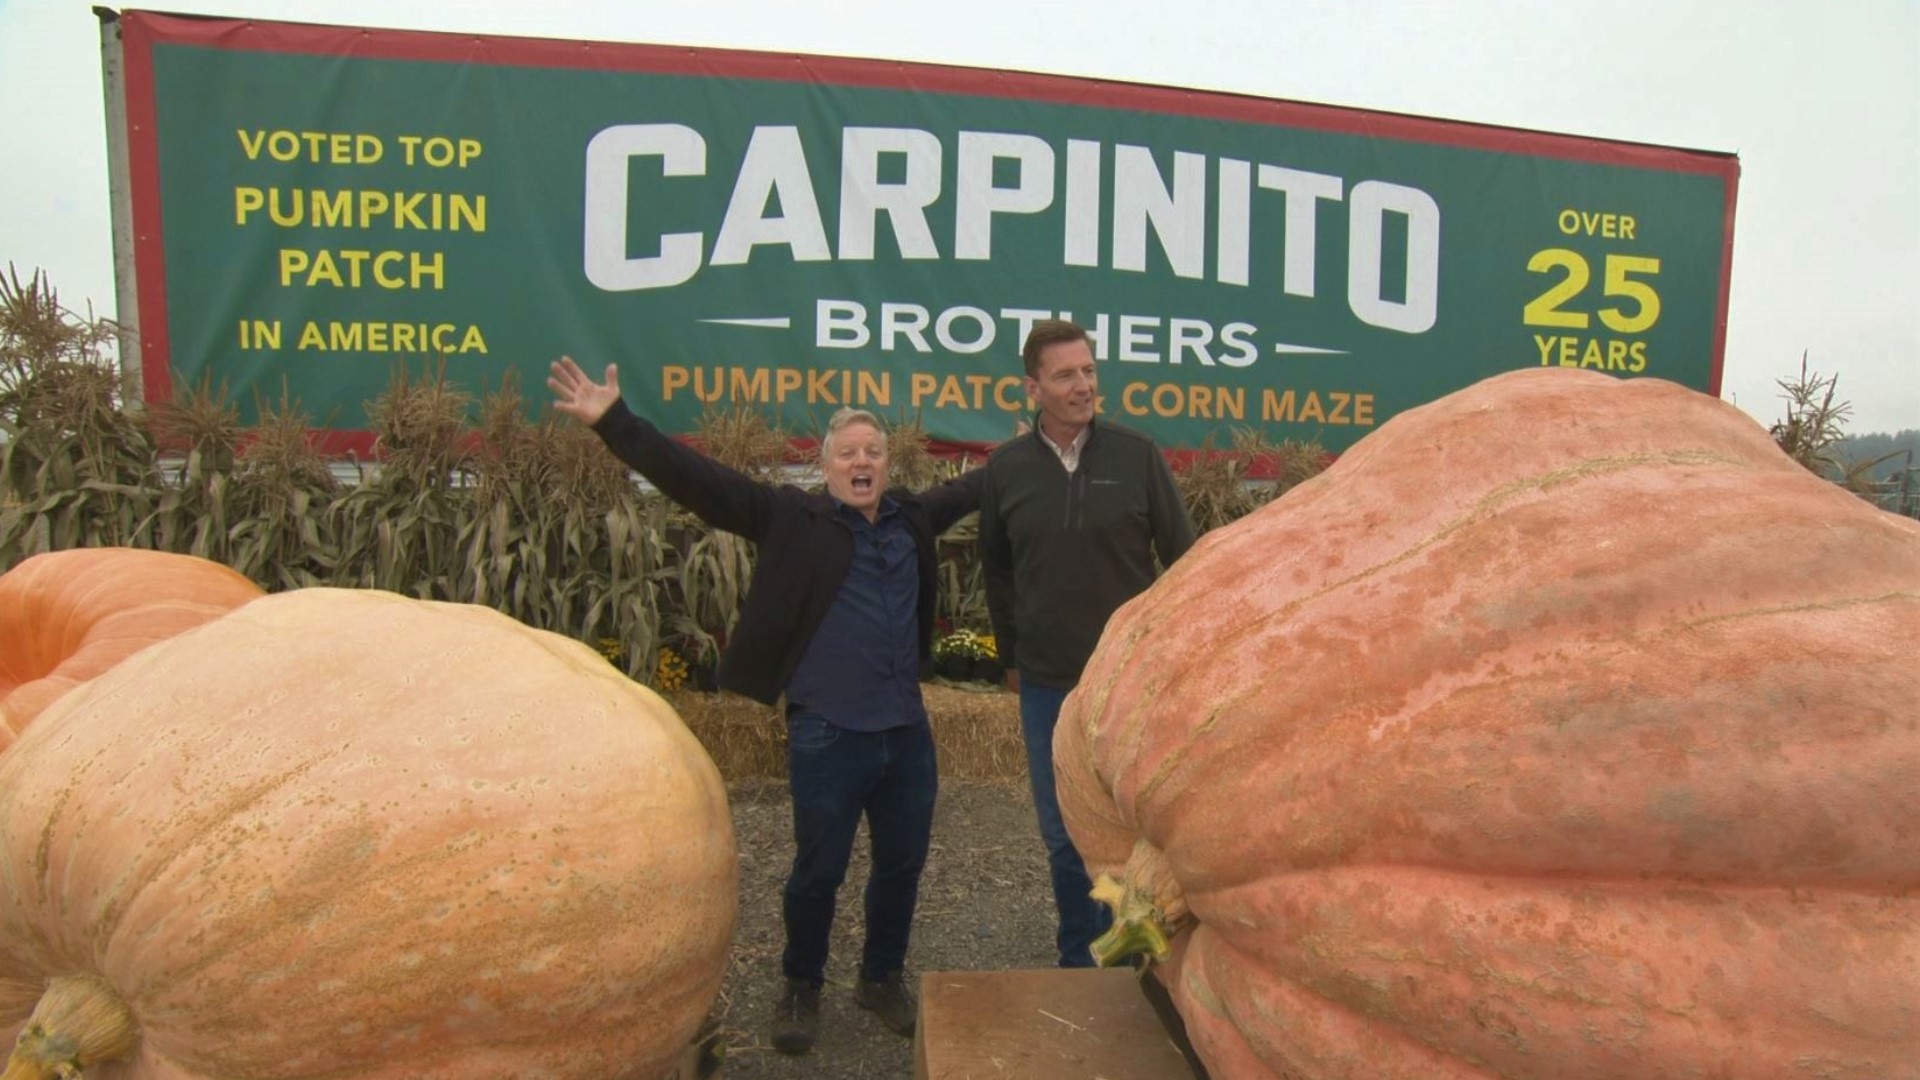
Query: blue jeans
{"points": [[837, 775], [1082, 918]]}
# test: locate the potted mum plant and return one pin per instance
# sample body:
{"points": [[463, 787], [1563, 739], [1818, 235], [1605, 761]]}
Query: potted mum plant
{"points": [[986, 663], [966, 656]]}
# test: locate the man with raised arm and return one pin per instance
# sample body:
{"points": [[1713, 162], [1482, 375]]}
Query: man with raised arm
{"points": [[839, 618]]}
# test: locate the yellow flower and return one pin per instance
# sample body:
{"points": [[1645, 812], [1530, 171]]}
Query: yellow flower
{"points": [[669, 670], [966, 643]]}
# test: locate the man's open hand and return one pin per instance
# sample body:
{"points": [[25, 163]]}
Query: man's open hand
{"points": [[578, 396]]}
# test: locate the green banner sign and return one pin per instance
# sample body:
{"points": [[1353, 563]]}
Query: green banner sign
{"points": [[313, 205]]}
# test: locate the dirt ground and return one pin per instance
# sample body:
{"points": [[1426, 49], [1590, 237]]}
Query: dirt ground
{"points": [[984, 903]]}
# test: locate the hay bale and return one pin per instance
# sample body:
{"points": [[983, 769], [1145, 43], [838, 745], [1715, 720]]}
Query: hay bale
{"points": [[976, 728], [745, 738]]}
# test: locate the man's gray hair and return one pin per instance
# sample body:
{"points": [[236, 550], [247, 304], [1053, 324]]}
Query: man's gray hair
{"points": [[847, 416]]}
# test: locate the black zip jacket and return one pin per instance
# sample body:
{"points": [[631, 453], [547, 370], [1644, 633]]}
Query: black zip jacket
{"points": [[804, 549], [1063, 552]]}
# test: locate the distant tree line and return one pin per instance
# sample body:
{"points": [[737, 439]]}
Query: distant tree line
{"points": [[1894, 453]]}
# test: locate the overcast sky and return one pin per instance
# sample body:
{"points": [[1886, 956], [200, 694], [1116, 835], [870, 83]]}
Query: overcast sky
{"points": [[1821, 101]]}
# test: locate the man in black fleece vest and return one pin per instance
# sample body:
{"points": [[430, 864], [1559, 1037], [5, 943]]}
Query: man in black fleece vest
{"points": [[1072, 516], [839, 618]]}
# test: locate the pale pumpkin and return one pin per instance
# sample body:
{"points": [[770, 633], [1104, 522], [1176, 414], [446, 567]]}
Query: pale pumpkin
{"points": [[351, 835], [1564, 729], [67, 616]]}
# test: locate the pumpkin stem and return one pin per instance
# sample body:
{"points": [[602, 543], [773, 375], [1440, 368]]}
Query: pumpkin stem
{"points": [[1137, 926], [78, 1023]]}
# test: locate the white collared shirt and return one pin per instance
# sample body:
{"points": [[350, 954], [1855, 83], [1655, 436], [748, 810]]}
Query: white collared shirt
{"points": [[1069, 454]]}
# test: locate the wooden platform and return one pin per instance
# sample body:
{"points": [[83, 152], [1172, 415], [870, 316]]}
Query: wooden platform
{"points": [[1043, 1024]]}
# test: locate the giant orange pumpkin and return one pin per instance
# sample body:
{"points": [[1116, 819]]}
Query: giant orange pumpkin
{"points": [[66, 616], [1564, 729], [351, 835]]}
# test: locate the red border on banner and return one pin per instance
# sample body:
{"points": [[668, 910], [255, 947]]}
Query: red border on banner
{"points": [[141, 30], [1731, 177], [143, 165]]}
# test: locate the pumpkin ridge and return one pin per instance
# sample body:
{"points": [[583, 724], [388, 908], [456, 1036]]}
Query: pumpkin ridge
{"points": [[1147, 620], [1835, 604], [1588, 468], [1174, 757], [1198, 986], [1295, 841], [1490, 675], [1485, 509], [1907, 893], [1718, 753], [1134, 718], [288, 916], [43, 850], [116, 907], [285, 913], [1328, 957]]}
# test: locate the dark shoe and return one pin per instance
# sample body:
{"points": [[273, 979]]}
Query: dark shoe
{"points": [[796, 1017], [890, 1000]]}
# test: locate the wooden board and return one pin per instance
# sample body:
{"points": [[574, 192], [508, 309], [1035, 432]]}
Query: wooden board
{"points": [[1043, 1024]]}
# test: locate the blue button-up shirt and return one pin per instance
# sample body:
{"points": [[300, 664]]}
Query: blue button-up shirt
{"points": [[861, 671]]}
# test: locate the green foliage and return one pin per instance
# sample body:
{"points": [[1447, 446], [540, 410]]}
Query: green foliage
{"points": [[1814, 434], [1223, 486], [1814, 420], [281, 487], [1893, 453], [708, 584], [535, 520], [702, 588], [911, 465], [78, 466], [466, 502]]}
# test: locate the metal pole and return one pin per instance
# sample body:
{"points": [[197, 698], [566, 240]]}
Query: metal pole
{"points": [[120, 195]]}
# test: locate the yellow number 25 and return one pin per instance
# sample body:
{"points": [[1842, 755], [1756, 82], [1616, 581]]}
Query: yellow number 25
{"points": [[1545, 309]]}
